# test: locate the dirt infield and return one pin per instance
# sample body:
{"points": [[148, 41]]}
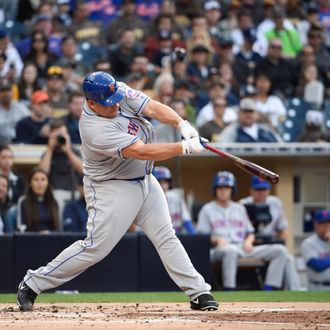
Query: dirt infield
{"points": [[174, 316]]}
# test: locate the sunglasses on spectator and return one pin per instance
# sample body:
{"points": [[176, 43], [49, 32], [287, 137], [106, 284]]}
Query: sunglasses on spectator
{"points": [[220, 105], [276, 46]]}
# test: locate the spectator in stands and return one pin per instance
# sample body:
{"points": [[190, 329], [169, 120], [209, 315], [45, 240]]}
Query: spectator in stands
{"points": [[4, 202], [75, 215], [246, 59], [84, 29], [55, 87], [212, 129], [316, 252], [185, 93], [38, 209], [62, 17], [28, 83], [163, 88], [35, 128], [245, 22], [290, 39], [216, 23], [198, 69], [166, 133], [141, 66], [216, 89], [280, 71], [181, 218], [270, 107], [13, 59], [316, 40], [71, 120], [232, 235], [62, 162], [16, 182], [122, 53], [311, 19], [314, 130], [11, 112], [162, 56], [75, 69], [39, 54], [162, 24], [247, 129], [127, 19], [267, 216]]}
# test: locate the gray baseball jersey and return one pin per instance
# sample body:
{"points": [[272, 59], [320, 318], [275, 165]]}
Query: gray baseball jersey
{"points": [[315, 247], [279, 221], [118, 193], [232, 224], [178, 209], [103, 140]]}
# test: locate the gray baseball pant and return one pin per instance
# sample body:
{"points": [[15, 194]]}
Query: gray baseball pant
{"points": [[112, 207], [275, 254]]}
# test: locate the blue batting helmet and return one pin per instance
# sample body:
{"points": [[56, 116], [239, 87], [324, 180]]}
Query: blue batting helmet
{"points": [[102, 88], [162, 173], [224, 179]]}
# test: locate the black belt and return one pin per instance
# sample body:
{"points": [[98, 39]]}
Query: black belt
{"points": [[139, 178], [320, 283]]}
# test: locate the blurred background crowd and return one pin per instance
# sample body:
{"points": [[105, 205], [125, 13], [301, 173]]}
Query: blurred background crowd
{"points": [[200, 57], [240, 71]]}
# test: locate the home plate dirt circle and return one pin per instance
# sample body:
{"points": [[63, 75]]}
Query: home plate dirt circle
{"points": [[174, 316]]}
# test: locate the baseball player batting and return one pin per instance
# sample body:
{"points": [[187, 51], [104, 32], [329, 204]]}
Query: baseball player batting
{"points": [[118, 147]]}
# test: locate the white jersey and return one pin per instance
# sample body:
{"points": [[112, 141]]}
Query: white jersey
{"points": [[103, 139], [315, 247], [231, 223], [178, 209], [279, 221]]}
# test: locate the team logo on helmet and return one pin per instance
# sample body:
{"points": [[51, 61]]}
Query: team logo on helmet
{"points": [[112, 87]]}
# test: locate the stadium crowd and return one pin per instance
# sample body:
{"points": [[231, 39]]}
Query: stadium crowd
{"points": [[240, 71]]}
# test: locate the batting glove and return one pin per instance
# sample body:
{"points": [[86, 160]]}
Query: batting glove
{"points": [[193, 145], [187, 131]]}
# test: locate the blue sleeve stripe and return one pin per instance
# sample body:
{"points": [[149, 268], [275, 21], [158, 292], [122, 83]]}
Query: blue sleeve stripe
{"points": [[143, 105], [120, 149]]}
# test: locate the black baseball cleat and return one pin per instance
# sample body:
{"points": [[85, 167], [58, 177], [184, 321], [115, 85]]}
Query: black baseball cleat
{"points": [[25, 297], [204, 302]]}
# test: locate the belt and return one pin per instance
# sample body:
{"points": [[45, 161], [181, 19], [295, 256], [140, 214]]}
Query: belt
{"points": [[139, 178], [319, 283]]}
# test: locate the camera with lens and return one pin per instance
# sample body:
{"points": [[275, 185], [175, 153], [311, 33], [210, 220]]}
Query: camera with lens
{"points": [[61, 140], [179, 54]]}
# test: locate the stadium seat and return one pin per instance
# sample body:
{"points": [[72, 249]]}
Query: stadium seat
{"points": [[88, 54], [295, 119]]}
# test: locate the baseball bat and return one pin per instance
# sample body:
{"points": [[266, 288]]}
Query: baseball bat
{"points": [[245, 165]]}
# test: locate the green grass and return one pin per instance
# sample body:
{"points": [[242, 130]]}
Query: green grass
{"points": [[132, 297]]}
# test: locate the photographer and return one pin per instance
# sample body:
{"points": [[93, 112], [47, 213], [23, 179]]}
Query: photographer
{"points": [[62, 163]]}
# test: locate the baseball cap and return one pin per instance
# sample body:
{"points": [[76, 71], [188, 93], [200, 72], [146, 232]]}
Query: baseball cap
{"points": [[250, 34], [55, 71], [39, 97], [200, 48], [247, 104], [257, 183], [322, 216], [211, 4]]}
